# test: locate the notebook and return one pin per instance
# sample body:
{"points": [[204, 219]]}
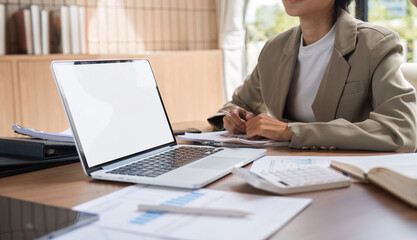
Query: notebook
{"points": [[122, 131], [396, 173]]}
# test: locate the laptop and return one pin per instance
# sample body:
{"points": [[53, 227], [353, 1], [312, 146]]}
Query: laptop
{"points": [[122, 131]]}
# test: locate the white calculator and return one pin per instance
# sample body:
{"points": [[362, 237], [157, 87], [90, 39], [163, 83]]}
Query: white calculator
{"points": [[294, 180]]}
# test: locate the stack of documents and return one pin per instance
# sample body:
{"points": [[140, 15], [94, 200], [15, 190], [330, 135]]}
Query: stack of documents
{"points": [[119, 214], [43, 150], [65, 136], [227, 139]]}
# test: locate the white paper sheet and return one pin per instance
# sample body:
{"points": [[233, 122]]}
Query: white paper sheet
{"points": [[405, 163], [94, 231], [65, 136], [274, 163], [118, 211]]}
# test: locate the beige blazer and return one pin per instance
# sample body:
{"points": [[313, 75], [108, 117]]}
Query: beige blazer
{"points": [[363, 101]]}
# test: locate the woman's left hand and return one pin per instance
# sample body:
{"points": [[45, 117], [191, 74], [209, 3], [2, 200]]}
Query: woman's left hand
{"points": [[268, 127]]}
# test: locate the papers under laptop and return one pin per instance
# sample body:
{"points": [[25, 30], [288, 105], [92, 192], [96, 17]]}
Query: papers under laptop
{"points": [[122, 131]]}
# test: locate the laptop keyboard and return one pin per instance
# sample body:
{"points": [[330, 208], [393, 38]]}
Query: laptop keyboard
{"points": [[164, 162]]}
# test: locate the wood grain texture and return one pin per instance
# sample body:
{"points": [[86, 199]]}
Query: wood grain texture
{"points": [[7, 102], [190, 83], [40, 104], [362, 211]]}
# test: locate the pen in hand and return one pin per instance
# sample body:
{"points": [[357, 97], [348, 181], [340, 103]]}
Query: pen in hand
{"points": [[230, 115]]}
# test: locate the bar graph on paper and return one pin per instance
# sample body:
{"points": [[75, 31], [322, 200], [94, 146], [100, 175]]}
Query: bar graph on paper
{"points": [[119, 211], [183, 200]]}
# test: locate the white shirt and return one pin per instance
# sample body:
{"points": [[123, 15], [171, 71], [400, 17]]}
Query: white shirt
{"points": [[311, 65]]}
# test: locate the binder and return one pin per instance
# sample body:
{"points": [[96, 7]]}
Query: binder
{"points": [[15, 165], [21, 155], [35, 148]]}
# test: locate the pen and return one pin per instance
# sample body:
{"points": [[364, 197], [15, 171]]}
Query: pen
{"points": [[192, 210], [226, 112], [230, 115]]}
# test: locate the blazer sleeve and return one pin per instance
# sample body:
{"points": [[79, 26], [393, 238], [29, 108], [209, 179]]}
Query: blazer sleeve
{"points": [[391, 125], [248, 96]]}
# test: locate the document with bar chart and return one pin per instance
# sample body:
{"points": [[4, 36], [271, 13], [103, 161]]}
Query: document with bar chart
{"points": [[119, 211]]}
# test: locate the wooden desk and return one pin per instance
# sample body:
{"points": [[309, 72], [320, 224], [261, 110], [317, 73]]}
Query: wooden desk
{"points": [[359, 212]]}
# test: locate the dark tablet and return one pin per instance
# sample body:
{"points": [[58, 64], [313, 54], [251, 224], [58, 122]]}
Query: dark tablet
{"points": [[28, 220]]}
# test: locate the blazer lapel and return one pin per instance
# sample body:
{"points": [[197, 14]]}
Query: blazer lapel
{"points": [[331, 88], [285, 72], [330, 91]]}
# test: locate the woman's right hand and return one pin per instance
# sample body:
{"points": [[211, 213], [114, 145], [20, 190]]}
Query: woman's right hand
{"points": [[235, 121]]}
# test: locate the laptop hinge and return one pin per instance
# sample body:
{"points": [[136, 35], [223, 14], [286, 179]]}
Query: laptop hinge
{"points": [[135, 158]]}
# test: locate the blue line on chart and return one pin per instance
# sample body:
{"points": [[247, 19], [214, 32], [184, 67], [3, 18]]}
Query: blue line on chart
{"points": [[178, 201]]}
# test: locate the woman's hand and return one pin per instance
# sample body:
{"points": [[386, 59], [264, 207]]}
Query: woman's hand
{"points": [[268, 127], [235, 120]]}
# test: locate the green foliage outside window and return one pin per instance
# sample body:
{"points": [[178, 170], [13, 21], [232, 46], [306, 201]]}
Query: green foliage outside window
{"points": [[399, 15], [269, 22]]}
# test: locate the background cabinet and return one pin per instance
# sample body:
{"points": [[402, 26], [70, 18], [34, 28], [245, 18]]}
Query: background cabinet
{"points": [[190, 83], [7, 103]]}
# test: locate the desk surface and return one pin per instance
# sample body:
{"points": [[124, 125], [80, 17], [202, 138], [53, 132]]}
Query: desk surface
{"points": [[362, 211]]}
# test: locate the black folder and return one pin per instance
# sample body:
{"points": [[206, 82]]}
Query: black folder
{"points": [[35, 148], [21, 155], [14, 165]]}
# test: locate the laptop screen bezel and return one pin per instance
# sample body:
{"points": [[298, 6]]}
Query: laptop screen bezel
{"points": [[70, 119]]}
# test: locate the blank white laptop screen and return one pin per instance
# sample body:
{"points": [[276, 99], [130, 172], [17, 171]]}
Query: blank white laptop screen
{"points": [[116, 108]]}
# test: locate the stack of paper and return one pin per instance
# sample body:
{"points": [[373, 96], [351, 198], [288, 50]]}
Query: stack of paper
{"points": [[227, 139], [65, 136]]}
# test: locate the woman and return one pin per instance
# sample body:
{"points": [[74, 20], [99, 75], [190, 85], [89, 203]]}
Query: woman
{"points": [[332, 82]]}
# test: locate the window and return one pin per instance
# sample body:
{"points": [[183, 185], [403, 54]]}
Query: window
{"points": [[400, 16], [266, 18]]}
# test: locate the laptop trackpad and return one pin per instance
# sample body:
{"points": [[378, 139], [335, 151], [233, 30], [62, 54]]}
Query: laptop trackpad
{"points": [[216, 163]]}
